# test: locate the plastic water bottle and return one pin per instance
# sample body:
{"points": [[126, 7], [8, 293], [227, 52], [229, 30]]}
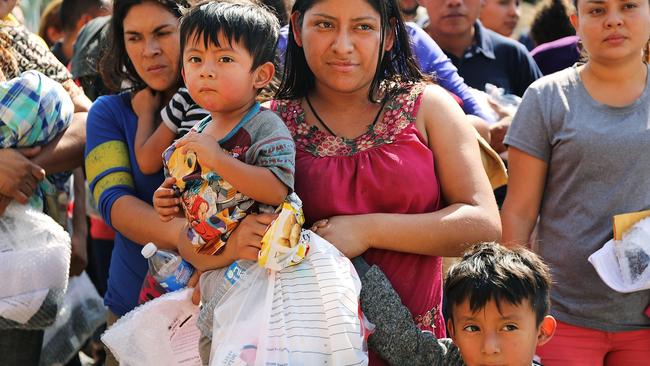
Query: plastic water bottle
{"points": [[167, 268]]}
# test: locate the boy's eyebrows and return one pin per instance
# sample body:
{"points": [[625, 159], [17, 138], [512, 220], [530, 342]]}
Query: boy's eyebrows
{"points": [[514, 315], [214, 47]]}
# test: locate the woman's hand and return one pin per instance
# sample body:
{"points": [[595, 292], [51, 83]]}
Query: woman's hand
{"points": [[79, 254], [194, 283], [205, 147], [347, 233], [246, 241], [165, 201], [4, 202], [146, 102], [18, 175]]}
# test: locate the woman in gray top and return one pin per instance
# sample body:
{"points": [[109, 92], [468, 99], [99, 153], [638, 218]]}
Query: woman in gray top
{"points": [[579, 154]]}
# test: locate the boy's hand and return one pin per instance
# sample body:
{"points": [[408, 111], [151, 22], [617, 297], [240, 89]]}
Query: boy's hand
{"points": [[206, 147], [165, 201], [245, 241], [146, 102]]}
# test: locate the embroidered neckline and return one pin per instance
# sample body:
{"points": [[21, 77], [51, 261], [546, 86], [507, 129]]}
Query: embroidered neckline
{"points": [[398, 114]]}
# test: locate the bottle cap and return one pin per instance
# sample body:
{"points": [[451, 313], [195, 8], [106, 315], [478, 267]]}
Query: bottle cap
{"points": [[149, 250]]}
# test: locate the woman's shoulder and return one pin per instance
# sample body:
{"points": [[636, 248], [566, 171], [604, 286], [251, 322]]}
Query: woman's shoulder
{"points": [[563, 80], [406, 94], [110, 109], [112, 103]]}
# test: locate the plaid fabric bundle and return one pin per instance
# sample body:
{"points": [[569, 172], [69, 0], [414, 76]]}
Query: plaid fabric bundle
{"points": [[33, 110]]}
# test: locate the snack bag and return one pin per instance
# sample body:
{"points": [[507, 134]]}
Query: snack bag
{"points": [[282, 244], [623, 263]]}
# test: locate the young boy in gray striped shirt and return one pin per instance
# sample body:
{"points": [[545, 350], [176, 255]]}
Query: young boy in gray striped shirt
{"points": [[497, 305]]}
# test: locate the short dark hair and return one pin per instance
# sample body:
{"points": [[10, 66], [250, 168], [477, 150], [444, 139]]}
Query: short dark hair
{"points": [[551, 22], [249, 24], [489, 271], [393, 67], [114, 64], [72, 10]]}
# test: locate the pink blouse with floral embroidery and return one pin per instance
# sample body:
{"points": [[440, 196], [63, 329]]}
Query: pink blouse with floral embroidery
{"points": [[388, 169]]}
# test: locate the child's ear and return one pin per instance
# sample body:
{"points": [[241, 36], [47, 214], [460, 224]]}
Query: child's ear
{"points": [[295, 27], [450, 328], [183, 75], [263, 75], [546, 330]]}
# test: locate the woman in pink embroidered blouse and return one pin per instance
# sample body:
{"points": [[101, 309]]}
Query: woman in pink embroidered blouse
{"points": [[386, 165]]}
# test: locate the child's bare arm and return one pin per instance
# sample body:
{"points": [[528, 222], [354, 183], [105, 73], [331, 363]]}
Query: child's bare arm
{"points": [[150, 142], [256, 182], [149, 153]]}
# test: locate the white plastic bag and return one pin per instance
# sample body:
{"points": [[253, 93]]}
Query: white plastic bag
{"points": [[34, 261], [160, 332], [633, 254], [306, 314], [625, 265], [81, 313]]}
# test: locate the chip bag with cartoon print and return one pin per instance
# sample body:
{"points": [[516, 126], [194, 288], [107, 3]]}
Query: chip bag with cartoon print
{"points": [[282, 244]]}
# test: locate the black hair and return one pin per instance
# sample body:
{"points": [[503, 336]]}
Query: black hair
{"points": [[114, 64], [489, 271], [280, 9], [394, 67], [551, 22], [72, 10], [252, 25]]}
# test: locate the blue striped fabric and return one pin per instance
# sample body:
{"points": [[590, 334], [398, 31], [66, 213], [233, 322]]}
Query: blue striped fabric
{"points": [[33, 110]]}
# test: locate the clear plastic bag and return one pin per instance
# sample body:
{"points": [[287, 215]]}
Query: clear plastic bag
{"points": [[160, 332], [34, 261], [81, 313], [624, 265], [507, 102], [633, 254], [305, 314]]}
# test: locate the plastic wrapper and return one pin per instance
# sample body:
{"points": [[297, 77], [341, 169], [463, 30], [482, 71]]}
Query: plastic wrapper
{"points": [[34, 257], [160, 332], [282, 244], [304, 314], [633, 254], [81, 313], [624, 265], [498, 96]]}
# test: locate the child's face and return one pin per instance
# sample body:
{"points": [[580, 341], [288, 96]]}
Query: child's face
{"points": [[219, 79], [493, 337]]}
